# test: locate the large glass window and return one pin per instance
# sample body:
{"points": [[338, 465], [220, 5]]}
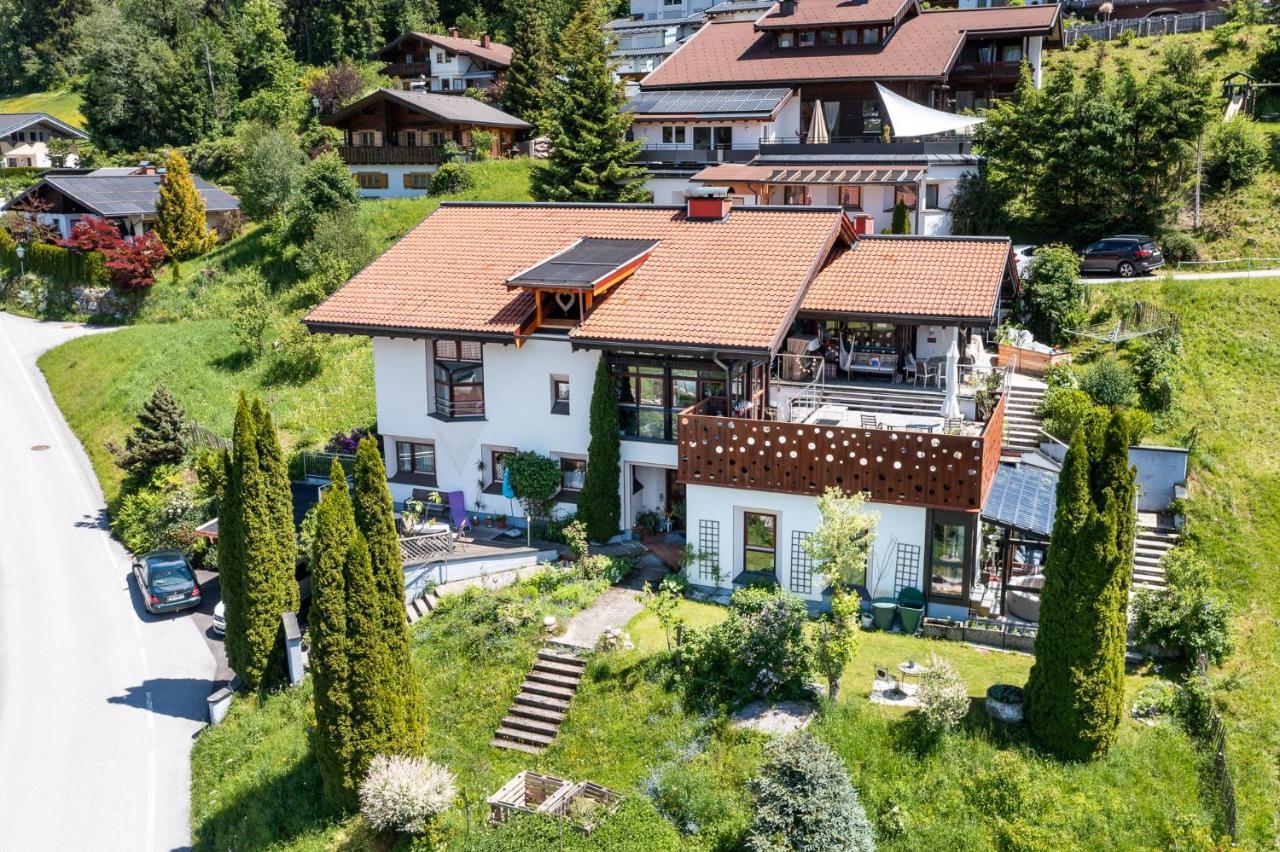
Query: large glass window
{"points": [[459, 375], [650, 397], [851, 197], [416, 459], [797, 195], [871, 121], [573, 474], [759, 543], [907, 193], [949, 555], [808, 38], [673, 135]]}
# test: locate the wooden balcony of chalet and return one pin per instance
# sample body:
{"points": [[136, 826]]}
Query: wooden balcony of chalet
{"points": [[390, 155], [904, 463]]}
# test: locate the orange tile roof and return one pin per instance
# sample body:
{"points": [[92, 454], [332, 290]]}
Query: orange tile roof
{"points": [[943, 277], [732, 284], [813, 13], [924, 46]]}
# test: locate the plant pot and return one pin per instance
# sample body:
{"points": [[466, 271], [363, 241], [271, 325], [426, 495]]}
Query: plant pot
{"points": [[867, 620], [910, 616], [501, 522], [1004, 703], [882, 613]]}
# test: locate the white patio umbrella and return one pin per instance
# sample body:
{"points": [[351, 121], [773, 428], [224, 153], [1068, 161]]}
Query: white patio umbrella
{"points": [[951, 405], [817, 126]]}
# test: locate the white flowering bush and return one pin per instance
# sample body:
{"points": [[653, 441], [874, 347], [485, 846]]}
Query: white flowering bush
{"points": [[944, 697], [405, 794]]}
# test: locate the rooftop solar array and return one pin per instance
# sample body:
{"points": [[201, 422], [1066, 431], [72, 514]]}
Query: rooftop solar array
{"points": [[123, 195], [1023, 497], [583, 264], [760, 102]]}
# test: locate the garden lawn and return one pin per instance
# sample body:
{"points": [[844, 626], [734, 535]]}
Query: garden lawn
{"points": [[184, 339], [63, 104]]}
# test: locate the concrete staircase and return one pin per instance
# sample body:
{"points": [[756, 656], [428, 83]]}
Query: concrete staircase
{"points": [[1149, 546], [1021, 423], [534, 718]]}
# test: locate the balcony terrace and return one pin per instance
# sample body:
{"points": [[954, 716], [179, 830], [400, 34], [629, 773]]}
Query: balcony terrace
{"points": [[788, 150], [390, 155]]}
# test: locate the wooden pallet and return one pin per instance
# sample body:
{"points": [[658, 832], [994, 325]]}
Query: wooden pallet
{"points": [[534, 718]]}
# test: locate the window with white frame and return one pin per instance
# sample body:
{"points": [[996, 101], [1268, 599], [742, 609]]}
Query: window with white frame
{"points": [[673, 135]]}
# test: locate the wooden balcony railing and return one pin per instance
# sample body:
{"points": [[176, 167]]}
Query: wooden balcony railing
{"points": [[389, 155], [999, 70], [889, 465]]}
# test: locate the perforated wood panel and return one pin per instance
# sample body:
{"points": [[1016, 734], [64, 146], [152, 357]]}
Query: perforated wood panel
{"points": [[891, 466]]}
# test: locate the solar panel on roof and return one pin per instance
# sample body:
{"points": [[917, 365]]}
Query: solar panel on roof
{"points": [[711, 102], [583, 264]]}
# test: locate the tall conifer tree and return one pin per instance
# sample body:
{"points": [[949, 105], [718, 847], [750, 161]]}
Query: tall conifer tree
{"points": [[531, 74], [374, 679], [598, 505], [180, 211], [375, 517], [330, 660], [590, 158]]}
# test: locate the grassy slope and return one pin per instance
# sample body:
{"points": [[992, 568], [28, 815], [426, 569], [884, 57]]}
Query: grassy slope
{"points": [[63, 104], [1239, 224], [184, 340], [626, 727]]}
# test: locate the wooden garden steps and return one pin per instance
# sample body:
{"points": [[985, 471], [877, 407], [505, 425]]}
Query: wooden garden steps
{"points": [[540, 706]]}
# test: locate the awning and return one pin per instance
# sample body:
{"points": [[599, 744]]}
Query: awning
{"points": [[908, 118], [1023, 497], [730, 173]]}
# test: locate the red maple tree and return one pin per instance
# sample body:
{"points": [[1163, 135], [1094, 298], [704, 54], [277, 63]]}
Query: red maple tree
{"points": [[130, 261]]}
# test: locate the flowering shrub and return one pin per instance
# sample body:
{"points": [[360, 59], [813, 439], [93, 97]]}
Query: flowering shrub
{"points": [[346, 443], [405, 794], [944, 698], [759, 651]]}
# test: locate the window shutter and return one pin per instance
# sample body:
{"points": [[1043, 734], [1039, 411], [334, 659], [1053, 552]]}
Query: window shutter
{"points": [[382, 181], [377, 137], [408, 180]]}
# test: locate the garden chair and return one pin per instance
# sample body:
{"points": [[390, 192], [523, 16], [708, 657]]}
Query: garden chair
{"points": [[952, 425], [870, 421], [909, 371], [458, 516]]}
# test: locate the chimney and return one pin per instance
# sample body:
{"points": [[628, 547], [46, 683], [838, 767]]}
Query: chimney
{"points": [[484, 39], [786, 8], [453, 32], [708, 203], [145, 167]]}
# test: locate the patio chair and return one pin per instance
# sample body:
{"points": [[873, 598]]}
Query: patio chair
{"points": [[870, 421], [887, 675], [909, 371], [952, 425], [934, 372], [458, 516]]}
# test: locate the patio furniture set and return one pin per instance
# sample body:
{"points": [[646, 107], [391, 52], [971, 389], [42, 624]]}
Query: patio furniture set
{"points": [[836, 415]]}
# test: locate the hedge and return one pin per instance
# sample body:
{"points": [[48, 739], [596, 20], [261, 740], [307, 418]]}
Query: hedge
{"points": [[61, 264]]}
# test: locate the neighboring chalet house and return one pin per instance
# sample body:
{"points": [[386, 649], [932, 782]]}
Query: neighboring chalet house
{"points": [[393, 141], [655, 28], [734, 107], [125, 196], [24, 139], [448, 64], [760, 356]]}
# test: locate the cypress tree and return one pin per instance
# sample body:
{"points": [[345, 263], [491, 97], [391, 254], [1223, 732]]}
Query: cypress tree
{"points": [[250, 526], [375, 518], [374, 680], [231, 557], [590, 158], [158, 438], [901, 223], [180, 212], [280, 503], [599, 508], [330, 663], [531, 74], [1076, 688]]}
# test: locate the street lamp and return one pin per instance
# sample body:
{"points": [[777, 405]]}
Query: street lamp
{"points": [[22, 252]]}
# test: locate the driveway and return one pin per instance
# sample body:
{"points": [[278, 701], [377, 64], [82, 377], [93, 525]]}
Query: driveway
{"points": [[99, 702]]}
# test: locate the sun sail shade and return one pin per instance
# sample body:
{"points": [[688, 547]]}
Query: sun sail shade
{"points": [[817, 127], [909, 118]]}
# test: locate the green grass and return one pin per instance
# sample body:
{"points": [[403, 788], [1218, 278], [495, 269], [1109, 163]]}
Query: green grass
{"points": [[63, 104], [1143, 54], [255, 785], [183, 339]]}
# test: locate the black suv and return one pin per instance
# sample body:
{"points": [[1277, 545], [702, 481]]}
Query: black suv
{"points": [[1124, 254]]}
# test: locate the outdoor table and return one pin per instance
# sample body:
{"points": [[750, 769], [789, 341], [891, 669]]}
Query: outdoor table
{"points": [[429, 528], [912, 669]]}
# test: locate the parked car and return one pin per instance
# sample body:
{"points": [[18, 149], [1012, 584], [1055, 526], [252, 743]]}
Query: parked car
{"points": [[166, 581], [1125, 255], [220, 619], [1022, 257]]}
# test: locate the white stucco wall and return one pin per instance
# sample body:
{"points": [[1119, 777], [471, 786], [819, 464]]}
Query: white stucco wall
{"points": [[517, 409], [668, 190], [395, 180], [796, 513]]}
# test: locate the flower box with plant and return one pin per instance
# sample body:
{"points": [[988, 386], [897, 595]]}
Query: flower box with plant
{"points": [[1004, 702]]}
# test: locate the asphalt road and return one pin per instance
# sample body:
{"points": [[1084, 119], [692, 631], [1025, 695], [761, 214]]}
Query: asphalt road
{"points": [[99, 702]]}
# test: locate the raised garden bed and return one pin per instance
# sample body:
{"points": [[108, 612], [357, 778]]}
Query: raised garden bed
{"points": [[1028, 361], [584, 804], [942, 628], [980, 631]]}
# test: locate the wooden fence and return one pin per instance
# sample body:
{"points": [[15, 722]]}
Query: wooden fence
{"points": [[1163, 25]]}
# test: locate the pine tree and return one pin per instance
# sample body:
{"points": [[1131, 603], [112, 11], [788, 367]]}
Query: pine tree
{"points": [[180, 212], [375, 517], [590, 158], [330, 661], [901, 223], [159, 436], [531, 74], [598, 504], [1076, 688], [374, 680]]}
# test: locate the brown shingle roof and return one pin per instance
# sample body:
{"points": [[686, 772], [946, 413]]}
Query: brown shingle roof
{"points": [[499, 54], [943, 277], [923, 47], [732, 284], [813, 13]]}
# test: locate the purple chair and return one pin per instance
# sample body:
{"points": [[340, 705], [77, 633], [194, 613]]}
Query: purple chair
{"points": [[458, 515]]}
